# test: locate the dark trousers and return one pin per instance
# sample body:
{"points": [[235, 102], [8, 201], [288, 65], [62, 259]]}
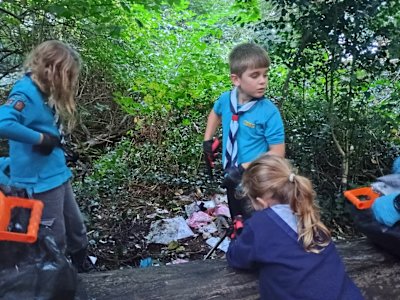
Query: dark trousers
{"points": [[238, 204], [61, 213]]}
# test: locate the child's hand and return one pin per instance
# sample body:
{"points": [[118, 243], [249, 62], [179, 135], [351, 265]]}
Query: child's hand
{"points": [[47, 144], [385, 211], [210, 148]]}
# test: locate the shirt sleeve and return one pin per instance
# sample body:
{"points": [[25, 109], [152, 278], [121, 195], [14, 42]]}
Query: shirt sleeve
{"points": [[218, 106], [275, 132], [12, 118], [241, 250]]}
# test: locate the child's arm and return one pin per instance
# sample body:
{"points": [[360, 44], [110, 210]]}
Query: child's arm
{"points": [[241, 250], [278, 149], [212, 124], [11, 116]]}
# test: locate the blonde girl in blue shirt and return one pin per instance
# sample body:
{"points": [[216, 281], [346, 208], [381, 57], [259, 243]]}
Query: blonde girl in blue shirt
{"points": [[38, 109]]}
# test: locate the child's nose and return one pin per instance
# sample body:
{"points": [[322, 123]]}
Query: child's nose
{"points": [[263, 80]]}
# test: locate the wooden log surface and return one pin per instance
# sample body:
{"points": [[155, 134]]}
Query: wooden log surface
{"points": [[375, 272]]}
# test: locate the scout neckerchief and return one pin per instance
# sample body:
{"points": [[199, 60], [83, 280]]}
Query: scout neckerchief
{"points": [[231, 153]]}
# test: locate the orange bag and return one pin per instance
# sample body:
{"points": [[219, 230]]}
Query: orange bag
{"points": [[7, 204]]}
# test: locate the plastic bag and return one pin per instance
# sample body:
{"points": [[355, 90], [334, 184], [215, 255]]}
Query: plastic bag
{"points": [[37, 271], [387, 238]]}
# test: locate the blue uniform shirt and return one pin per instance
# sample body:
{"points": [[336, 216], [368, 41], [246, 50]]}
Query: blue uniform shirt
{"points": [[259, 127], [22, 118]]}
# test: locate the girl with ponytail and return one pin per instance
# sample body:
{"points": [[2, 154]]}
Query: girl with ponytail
{"points": [[285, 239]]}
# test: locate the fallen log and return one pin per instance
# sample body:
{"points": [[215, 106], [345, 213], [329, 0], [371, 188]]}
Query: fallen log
{"points": [[375, 272]]}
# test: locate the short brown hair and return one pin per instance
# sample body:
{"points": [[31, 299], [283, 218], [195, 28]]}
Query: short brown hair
{"points": [[246, 56]]}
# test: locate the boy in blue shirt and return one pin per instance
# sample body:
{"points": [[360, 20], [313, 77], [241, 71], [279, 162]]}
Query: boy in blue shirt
{"points": [[251, 123]]}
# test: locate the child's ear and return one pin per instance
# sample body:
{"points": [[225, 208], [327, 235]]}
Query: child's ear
{"points": [[235, 79]]}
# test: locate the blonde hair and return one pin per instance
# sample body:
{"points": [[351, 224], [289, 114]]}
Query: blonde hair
{"points": [[55, 69], [246, 56], [272, 177]]}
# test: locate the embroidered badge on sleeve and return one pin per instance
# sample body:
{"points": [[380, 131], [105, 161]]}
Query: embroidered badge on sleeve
{"points": [[19, 105], [17, 102]]}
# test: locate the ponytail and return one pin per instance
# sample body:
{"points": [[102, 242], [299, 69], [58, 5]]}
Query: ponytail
{"points": [[311, 231]]}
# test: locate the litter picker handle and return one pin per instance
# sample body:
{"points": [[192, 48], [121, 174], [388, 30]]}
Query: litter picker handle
{"points": [[216, 246]]}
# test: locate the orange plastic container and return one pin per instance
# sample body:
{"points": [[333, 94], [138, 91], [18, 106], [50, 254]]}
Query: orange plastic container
{"points": [[362, 198], [6, 205]]}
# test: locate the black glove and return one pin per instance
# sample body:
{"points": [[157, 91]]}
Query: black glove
{"points": [[49, 142], [207, 147], [236, 227], [210, 152], [233, 176]]}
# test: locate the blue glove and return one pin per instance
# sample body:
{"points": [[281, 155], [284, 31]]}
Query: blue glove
{"points": [[385, 211]]}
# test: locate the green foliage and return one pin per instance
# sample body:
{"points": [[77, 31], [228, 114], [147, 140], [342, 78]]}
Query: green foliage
{"points": [[334, 75]]}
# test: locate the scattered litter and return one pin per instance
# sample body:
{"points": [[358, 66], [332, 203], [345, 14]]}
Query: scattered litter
{"points": [[159, 213], [220, 210], [220, 198], [191, 208], [206, 204], [168, 230], [177, 261], [93, 259], [209, 228], [149, 262], [212, 241], [221, 223], [146, 262], [198, 219]]}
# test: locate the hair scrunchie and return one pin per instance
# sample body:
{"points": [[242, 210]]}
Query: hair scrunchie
{"points": [[291, 177]]}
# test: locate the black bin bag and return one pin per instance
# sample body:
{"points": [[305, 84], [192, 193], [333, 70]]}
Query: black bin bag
{"points": [[37, 271], [387, 238]]}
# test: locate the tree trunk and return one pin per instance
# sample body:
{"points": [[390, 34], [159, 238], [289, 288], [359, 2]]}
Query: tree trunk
{"points": [[374, 272]]}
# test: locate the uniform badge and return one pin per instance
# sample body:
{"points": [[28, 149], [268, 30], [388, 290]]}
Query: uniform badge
{"points": [[17, 102], [249, 124], [19, 105]]}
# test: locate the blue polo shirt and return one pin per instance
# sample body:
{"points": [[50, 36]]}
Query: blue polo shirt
{"points": [[259, 127]]}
